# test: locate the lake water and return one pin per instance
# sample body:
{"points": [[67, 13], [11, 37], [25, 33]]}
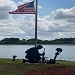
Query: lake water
{"points": [[68, 53]]}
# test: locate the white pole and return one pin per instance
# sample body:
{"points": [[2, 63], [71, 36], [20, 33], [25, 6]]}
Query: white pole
{"points": [[36, 23]]}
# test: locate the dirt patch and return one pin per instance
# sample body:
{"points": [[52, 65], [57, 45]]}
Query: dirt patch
{"points": [[53, 71]]}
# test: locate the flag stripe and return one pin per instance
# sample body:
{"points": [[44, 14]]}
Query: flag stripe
{"points": [[21, 13], [24, 5]]}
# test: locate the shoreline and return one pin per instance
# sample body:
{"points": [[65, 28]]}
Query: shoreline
{"points": [[37, 44]]}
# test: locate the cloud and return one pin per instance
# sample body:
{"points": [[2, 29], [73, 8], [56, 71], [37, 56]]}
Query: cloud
{"points": [[58, 24], [65, 19], [5, 7], [64, 13], [23, 1], [39, 7], [27, 0]]}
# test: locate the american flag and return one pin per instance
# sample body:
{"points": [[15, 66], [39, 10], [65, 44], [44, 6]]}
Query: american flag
{"points": [[27, 8]]}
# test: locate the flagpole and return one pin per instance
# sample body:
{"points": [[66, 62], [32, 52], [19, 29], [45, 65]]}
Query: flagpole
{"points": [[36, 23], [28, 10]]}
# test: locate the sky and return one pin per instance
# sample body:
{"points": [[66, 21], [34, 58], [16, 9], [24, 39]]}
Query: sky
{"points": [[56, 19]]}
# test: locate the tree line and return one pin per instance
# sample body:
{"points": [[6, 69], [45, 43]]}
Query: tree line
{"points": [[32, 41]]}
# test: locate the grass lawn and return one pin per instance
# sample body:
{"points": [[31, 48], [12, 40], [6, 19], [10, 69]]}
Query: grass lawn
{"points": [[10, 67]]}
